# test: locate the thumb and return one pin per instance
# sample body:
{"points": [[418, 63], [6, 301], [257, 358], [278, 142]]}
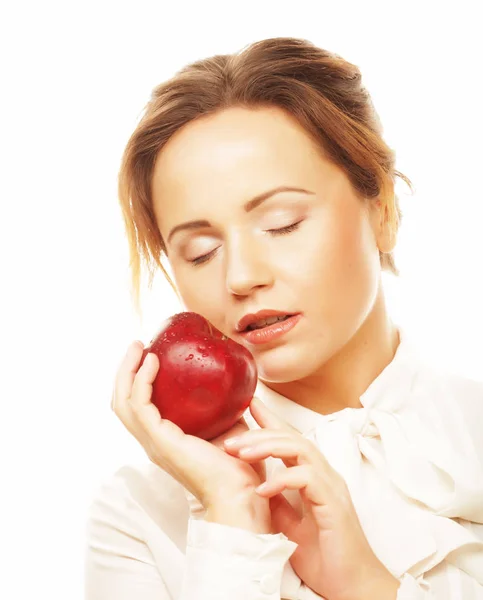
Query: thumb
{"points": [[285, 518]]}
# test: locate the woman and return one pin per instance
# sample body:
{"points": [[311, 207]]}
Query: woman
{"points": [[357, 472]]}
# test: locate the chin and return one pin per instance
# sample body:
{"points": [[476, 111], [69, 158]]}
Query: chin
{"points": [[285, 364]]}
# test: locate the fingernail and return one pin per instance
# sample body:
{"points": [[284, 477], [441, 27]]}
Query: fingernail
{"points": [[246, 450], [131, 347], [232, 441]]}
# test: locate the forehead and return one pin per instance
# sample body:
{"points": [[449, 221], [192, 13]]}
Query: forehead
{"points": [[215, 142], [236, 153]]}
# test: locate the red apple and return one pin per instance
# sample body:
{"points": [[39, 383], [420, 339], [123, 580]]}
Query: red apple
{"points": [[205, 380]]}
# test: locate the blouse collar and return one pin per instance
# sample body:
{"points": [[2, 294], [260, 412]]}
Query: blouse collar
{"points": [[386, 391], [411, 428]]}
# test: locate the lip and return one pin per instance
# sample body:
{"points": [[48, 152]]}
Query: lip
{"points": [[261, 314], [271, 332]]}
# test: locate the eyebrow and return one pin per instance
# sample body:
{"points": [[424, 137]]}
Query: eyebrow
{"points": [[248, 207]]}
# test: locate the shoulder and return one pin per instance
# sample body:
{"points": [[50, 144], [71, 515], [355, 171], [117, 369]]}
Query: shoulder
{"points": [[441, 383], [449, 402], [138, 498]]}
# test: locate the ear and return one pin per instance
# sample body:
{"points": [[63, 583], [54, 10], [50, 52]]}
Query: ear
{"points": [[384, 232]]}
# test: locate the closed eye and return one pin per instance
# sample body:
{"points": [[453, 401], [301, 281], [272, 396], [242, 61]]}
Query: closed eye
{"points": [[283, 231]]}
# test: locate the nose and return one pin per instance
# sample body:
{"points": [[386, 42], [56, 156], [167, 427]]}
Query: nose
{"points": [[247, 267]]}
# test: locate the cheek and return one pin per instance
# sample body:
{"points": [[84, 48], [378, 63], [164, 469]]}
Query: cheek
{"points": [[196, 297], [355, 278], [202, 295], [336, 267]]}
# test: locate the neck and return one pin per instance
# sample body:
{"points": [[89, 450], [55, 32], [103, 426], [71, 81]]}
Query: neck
{"points": [[340, 382]]}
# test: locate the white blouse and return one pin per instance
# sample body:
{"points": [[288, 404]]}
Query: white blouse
{"points": [[412, 458]]}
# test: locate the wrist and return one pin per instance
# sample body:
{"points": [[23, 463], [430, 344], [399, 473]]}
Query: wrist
{"points": [[383, 589], [381, 585], [251, 515]]}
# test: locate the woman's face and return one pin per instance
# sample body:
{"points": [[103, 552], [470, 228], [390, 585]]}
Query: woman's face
{"points": [[327, 268]]}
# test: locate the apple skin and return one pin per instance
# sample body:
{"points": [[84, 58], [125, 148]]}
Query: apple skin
{"points": [[205, 380]]}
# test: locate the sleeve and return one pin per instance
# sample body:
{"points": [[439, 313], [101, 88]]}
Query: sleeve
{"points": [[221, 562], [443, 582], [227, 562], [450, 579], [117, 562]]}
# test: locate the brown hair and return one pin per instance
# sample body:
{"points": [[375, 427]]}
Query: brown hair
{"points": [[319, 88]]}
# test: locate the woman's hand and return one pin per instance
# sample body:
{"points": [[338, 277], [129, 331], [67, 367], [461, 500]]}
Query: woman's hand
{"points": [[221, 482], [333, 556]]}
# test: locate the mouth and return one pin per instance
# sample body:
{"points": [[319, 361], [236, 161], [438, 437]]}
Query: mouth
{"points": [[262, 323], [270, 329], [260, 319]]}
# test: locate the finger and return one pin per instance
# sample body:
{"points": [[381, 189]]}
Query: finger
{"points": [[159, 437], [126, 373], [238, 429], [266, 418], [315, 489], [291, 451], [142, 391], [123, 390], [285, 519], [164, 436], [142, 387], [260, 469], [249, 437], [123, 386], [278, 444], [294, 478]]}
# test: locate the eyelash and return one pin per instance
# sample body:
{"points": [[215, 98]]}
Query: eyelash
{"points": [[283, 231]]}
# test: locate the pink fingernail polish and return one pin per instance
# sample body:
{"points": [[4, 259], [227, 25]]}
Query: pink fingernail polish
{"points": [[246, 450], [232, 442]]}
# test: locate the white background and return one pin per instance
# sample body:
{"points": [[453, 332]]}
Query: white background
{"points": [[75, 77]]}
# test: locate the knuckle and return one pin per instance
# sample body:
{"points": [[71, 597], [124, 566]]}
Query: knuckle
{"points": [[309, 472], [344, 495], [151, 454], [152, 451], [135, 407], [341, 482], [313, 454], [115, 408], [344, 485]]}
